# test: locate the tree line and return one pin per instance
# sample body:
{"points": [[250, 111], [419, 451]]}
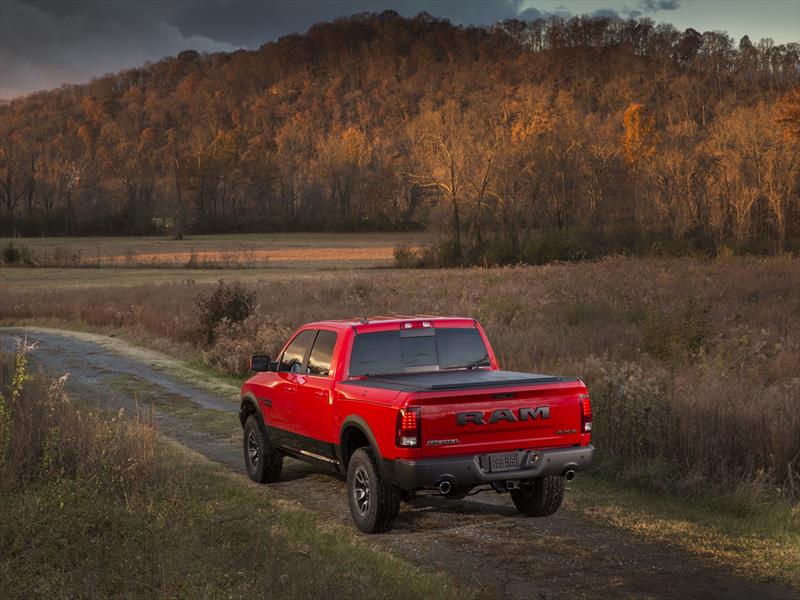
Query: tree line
{"points": [[556, 138]]}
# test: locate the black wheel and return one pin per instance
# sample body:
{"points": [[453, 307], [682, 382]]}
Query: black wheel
{"points": [[374, 503], [263, 462], [539, 497]]}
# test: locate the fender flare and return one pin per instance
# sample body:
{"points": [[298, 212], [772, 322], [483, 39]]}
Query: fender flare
{"points": [[249, 399], [361, 425]]}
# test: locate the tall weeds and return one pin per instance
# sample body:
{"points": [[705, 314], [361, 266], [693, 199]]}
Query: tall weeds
{"points": [[694, 365], [47, 437]]}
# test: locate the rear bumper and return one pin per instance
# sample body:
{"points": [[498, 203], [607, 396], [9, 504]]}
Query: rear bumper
{"points": [[469, 471]]}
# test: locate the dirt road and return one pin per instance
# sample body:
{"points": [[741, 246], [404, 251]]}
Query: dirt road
{"points": [[481, 540]]}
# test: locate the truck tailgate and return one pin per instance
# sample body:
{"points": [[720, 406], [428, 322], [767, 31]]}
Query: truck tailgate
{"points": [[516, 417]]}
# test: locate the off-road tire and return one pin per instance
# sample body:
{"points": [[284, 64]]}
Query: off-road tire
{"points": [[539, 497], [382, 499], [263, 462]]}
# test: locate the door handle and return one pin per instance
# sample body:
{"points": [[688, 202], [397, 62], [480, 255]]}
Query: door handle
{"points": [[320, 393], [291, 388]]}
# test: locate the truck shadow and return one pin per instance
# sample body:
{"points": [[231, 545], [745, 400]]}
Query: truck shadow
{"points": [[463, 506], [427, 513]]}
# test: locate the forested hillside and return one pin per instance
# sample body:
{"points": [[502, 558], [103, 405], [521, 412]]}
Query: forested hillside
{"points": [[523, 141]]}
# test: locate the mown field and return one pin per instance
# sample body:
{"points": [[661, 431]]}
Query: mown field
{"points": [[693, 366], [239, 251]]}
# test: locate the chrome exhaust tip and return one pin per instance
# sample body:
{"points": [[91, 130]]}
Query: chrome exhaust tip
{"points": [[569, 475], [445, 487]]}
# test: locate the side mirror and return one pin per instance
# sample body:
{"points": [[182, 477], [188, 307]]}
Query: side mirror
{"points": [[260, 363]]}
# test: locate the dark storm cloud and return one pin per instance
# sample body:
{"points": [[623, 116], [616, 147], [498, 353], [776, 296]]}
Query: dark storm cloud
{"points": [[251, 23], [643, 8], [656, 5], [606, 12], [44, 43]]}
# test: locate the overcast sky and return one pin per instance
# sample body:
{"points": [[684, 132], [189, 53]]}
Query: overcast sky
{"points": [[44, 43]]}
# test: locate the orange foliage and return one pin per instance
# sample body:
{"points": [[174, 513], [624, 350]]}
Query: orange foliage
{"points": [[788, 111], [381, 122], [640, 137]]}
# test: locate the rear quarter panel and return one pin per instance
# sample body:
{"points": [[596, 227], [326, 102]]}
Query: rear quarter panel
{"points": [[377, 408]]}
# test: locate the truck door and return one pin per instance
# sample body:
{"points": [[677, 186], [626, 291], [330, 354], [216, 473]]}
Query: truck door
{"points": [[314, 395], [284, 415]]}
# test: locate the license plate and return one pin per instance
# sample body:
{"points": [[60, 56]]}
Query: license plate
{"points": [[504, 462]]}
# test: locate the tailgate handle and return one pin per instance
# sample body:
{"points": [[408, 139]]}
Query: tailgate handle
{"points": [[504, 396]]}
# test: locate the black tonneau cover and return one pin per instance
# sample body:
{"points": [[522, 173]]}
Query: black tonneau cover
{"points": [[454, 380]]}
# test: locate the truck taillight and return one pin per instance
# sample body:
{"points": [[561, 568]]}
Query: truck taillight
{"points": [[409, 427], [586, 413]]}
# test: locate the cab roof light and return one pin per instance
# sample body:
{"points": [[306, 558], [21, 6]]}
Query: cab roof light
{"points": [[417, 324]]}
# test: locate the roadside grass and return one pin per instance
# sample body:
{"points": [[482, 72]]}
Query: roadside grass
{"points": [[202, 532], [217, 423], [199, 365], [97, 506], [760, 539]]}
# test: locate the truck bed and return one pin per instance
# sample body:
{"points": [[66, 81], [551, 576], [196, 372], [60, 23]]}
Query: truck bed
{"points": [[455, 380]]}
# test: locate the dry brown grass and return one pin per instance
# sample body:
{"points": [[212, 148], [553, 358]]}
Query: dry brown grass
{"points": [[694, 365], [49, 437]]}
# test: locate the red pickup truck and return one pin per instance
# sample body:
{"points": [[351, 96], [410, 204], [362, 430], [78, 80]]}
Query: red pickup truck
{"points": [[401, 405]]}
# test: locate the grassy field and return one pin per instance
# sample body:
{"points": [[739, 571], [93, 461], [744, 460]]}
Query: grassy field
{"points": [[274, 250], [693, 366], [41, 280]]}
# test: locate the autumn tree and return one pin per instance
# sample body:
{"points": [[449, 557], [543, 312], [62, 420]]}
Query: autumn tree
{"points": [[440, 137], [343, 158], [788, 113], [620, 134]]}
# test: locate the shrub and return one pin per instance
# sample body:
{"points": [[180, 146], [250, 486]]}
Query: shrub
{"points": [[670, 335], [724, 251], [446, 254], [407, 258], [232, 353], [228, 304], [11, 254]]}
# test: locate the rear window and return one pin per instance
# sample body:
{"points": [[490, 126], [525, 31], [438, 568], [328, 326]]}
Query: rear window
{"points": [[415, 350]]}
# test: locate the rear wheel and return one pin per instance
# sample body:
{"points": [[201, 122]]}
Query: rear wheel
{"points": [[264, 463], [374, 503], [539, 497]]}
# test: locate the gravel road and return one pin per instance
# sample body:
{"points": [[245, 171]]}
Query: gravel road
{"points": [[481, 540]]}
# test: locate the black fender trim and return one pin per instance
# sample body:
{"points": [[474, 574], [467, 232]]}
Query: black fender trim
{"points": [[249, 399], [361, 424]]}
